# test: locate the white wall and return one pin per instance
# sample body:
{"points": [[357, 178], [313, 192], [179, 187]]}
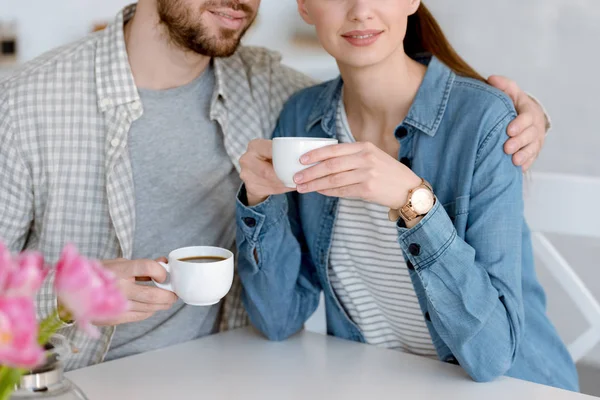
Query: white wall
{"points": [[550, 48], [45, 24]]}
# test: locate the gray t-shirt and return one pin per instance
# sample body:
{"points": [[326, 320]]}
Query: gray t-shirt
{"points": [[185, 186]]}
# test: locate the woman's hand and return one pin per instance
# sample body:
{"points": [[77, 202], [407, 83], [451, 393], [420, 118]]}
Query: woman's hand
{"points": [[357, 170], [258, 174]]}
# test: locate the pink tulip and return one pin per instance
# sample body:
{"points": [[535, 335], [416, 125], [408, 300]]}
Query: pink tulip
{"points": [[26, 276], [87, 290], [20, 276], [18, 333]]}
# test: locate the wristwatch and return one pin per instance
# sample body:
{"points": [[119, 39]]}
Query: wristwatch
{"points": [[420, 201]]}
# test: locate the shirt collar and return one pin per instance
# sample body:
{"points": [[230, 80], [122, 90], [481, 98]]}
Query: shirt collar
{"points": [[114, 80], [233, 73], [226, 68], [425, 114]]}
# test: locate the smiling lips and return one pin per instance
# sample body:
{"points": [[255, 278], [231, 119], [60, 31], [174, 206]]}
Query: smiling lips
{"points": [[229, 18], [362, 38]]}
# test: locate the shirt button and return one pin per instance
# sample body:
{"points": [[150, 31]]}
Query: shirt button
{"points": [[136, 105], [250, 222], [106, 102], [115, 142], [401, 132], [410, 265], [427, 316], [414, 249]]}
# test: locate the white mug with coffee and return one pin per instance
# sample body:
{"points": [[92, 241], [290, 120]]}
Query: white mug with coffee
{"points": [[287, 152], [199, 275]]}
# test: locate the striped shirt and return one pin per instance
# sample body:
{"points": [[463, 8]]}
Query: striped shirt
{"points": [[369, 274]]}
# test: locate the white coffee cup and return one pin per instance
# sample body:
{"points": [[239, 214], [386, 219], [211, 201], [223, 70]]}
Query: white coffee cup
{"points": [[200, 283], [287, 152]]}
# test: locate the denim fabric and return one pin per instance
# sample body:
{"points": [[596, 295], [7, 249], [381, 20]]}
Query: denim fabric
{"points": [[473, 265]]}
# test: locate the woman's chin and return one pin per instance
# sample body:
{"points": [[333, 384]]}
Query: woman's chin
{"points": [[358, 62]]}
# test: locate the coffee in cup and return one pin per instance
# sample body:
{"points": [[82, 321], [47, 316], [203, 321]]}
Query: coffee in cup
{"points": [[202, 260], [199, 275]]}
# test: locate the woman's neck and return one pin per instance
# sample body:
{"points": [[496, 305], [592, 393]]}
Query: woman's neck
{"points": [[377, 98]]}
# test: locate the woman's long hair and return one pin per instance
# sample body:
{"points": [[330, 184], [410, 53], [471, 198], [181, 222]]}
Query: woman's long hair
{"points": [[424, 35]]}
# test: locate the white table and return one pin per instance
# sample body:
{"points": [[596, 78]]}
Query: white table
{"points": [[243, 365]]}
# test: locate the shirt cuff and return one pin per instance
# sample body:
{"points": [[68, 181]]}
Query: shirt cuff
{"points": [[548, 120], [251, 220], [429, 239]]}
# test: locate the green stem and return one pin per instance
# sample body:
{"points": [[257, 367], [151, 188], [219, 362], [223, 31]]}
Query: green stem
{"points": [[9, 378], [48, 327], [4, 384], [3, 372]]}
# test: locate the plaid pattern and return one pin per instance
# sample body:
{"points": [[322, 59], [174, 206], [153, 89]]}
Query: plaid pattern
{"points": [[65, 172]]}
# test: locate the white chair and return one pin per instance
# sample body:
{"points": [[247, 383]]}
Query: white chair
{"points": [[549, 200]]}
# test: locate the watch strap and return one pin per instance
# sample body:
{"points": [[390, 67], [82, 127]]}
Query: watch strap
{"points": [[407, 212]]}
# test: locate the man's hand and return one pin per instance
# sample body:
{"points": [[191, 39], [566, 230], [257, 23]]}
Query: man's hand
{"points": [[528, 131], [144, 301]]}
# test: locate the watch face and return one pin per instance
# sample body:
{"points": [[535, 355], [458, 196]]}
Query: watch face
{"points": [[422, 201]]}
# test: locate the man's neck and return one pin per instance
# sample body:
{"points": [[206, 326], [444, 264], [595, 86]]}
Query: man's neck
{"points": [[377, 98], [157, 63]]}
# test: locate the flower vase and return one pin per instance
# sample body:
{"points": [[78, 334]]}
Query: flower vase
{"points": [[48, 381]]}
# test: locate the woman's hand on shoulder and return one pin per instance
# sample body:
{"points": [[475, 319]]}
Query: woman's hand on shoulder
{"points": [[357, 170], [258, 174]]}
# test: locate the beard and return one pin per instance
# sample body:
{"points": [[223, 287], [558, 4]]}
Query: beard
{"points": [[186, 30]]}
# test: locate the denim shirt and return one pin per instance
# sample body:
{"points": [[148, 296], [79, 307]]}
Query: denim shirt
{"points": [[470, 258]]}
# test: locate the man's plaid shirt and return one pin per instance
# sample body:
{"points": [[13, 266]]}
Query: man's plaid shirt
{"points": [[65, 170]]}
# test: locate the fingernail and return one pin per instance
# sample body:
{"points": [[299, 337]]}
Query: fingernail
{"points": [[304, 159], [511, 148], [298, 178], [514, 129]]}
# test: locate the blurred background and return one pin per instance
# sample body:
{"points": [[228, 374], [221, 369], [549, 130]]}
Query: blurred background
{"points": [[550, 47]]}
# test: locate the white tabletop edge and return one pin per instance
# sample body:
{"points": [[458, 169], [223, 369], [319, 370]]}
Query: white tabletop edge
{"points": [[242, 364]]}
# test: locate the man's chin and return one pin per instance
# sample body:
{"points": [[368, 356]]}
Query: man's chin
{"points": [[221, 48], [224, 44], [224, 52]]}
